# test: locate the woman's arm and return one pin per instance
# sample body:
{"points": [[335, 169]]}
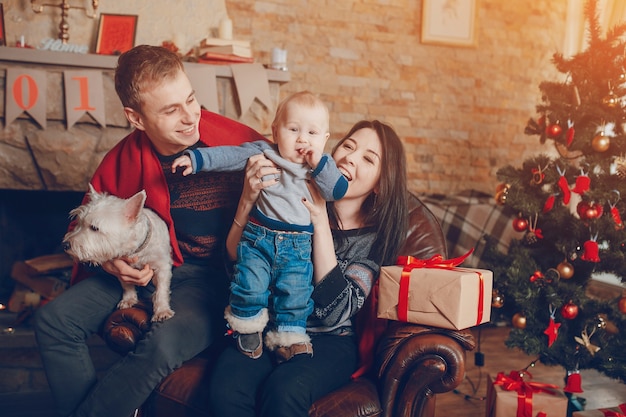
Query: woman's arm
{"points": [[257, 167], [324, 257]]}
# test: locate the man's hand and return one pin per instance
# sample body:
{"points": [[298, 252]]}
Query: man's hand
{"points": [[126, 274]]}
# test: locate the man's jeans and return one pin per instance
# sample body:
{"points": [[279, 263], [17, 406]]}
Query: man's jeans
{"points": [[64, 325]]}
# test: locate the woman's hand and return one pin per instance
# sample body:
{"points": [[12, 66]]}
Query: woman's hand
{"points": [[126, 274], [317, 207]]}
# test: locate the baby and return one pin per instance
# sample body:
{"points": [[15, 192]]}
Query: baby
{"points": [[274, 254]]}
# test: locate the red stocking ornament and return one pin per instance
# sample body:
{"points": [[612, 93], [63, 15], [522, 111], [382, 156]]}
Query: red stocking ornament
{"points": [[617, 218], [564, 186], [583, 182], [549, 204]]}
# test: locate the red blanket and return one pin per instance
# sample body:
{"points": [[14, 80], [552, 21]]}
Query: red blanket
{"points": [[132, 166]]}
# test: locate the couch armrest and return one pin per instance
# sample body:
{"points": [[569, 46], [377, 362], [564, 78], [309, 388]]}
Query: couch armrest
{"points": [[414, 362]]}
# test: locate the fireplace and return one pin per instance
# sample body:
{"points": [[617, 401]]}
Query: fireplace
{"points": [[48, 154], [32, 223]]}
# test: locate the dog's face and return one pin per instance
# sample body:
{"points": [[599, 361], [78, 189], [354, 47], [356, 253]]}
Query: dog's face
{"points": [[104, 228]]}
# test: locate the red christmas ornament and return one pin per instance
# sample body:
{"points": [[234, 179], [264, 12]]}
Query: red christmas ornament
{"points": [[583, 183], [554, 130], [520, 224], [570, 136], [569, 311], [549, 204], [619, 224], [621, 304], [590, 251], [552, 331], [564, 186], [573, 382]]}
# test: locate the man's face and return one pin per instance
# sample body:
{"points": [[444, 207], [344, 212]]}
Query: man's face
{"points": [[169, 115]]}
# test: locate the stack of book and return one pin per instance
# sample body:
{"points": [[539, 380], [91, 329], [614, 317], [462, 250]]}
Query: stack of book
{"points": [[225, 51]]}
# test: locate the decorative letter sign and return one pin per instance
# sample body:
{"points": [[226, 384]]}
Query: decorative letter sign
{"points": [[25, 92], [83, 94], [248, 79]]}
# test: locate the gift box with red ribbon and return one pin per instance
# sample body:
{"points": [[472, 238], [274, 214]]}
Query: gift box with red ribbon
{"points": [[617, 411], [514, 395], [435, 292]]}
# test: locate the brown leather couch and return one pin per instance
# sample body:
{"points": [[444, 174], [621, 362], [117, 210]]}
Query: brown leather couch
{"points": [[412, 363]]}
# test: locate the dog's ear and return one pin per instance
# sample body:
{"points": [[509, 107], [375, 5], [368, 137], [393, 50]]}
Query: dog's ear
{"points": [[93, 194], [133, 205]]}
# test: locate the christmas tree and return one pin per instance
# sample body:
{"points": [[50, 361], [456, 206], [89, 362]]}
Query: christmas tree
{"points": [[570, 205]]}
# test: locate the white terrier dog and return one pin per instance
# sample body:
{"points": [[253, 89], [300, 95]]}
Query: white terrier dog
{"points": [[108, 227]]}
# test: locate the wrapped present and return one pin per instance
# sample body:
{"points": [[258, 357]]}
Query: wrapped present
{"points": [[617, 411], [435, 292], [513, 395]]}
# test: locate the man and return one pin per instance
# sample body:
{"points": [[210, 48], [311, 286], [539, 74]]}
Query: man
{"points": [[160, 104]]}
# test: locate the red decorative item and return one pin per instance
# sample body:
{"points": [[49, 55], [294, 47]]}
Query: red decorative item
{"points": [[538, 176], [617, 218], [589, 210], [569, 311], [564, 186], [549, 204], [570, 136], [552, 331], [554, 130], [520, 224], [590, 251], [536, 276], [573, 383], [583, 182]]}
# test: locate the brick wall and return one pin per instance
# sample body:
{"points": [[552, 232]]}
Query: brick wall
{"points": [[461, 111]]}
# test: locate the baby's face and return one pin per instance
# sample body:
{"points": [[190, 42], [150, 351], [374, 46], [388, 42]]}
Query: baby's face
{"points": [[300, 129]]}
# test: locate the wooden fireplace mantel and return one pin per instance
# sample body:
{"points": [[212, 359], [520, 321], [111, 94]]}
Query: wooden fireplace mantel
{"points": [[62, 156]]}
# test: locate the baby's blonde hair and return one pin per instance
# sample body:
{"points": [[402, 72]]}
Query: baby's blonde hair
{"points": [[303, 98]]}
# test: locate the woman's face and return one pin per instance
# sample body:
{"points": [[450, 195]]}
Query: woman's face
{"points": [[359, 158]]}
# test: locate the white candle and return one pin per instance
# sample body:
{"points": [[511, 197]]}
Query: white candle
{"points": [[226, 29]]}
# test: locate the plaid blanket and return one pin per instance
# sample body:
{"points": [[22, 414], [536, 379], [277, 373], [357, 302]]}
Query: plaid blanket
{"points": [[467, 218]]}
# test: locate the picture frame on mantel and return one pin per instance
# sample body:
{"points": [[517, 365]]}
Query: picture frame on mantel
{"points": [[3, 36], [116, 33], [449, 22]]}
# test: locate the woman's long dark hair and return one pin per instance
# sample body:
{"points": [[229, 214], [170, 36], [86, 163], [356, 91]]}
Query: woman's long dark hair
{"points": [[386, 210]]}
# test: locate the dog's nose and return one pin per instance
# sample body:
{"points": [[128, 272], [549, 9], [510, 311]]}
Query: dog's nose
{"points": [[66, 245]]}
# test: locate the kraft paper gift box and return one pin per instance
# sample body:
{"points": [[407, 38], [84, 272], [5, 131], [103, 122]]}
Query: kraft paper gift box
{"points": [[513, 397], [450, 298], [617, 411]]}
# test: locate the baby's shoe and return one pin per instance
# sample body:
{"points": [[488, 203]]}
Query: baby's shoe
{"points": [[284, 353], [250, 344]]}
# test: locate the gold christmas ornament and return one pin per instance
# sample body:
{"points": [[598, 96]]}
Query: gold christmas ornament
{"points": [[497, 299], [502, 190], [566, 270], [611, 100], [519, 321], [601, 143]]}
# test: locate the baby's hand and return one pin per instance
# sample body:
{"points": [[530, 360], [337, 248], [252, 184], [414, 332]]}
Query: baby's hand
{"points": [[312, 156], [182, 161]]}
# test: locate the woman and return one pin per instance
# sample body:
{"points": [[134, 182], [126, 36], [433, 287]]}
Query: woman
{"points": [[353, 237]]}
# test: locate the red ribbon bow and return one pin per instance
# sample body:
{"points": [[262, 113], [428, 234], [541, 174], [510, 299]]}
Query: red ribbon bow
{"points": [[611, 413], [437, 262], [515, 382]]}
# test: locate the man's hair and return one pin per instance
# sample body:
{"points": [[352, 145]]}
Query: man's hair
{"points": [[142, 68], [303, 98]]}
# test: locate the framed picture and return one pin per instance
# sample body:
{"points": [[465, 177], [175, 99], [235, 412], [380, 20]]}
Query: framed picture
{"points": [[116, 33], [449, 22], [3, 36]]}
